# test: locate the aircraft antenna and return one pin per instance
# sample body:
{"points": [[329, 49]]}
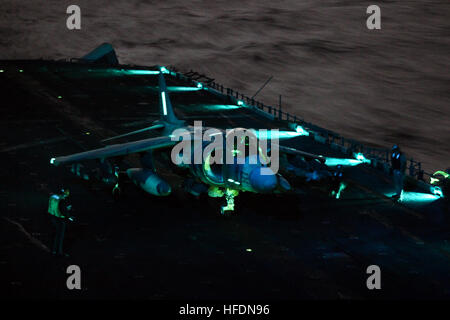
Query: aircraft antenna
{"points": [[262, 87]]}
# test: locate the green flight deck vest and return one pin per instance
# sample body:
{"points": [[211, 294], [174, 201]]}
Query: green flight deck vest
{"points": [[53, 206]]}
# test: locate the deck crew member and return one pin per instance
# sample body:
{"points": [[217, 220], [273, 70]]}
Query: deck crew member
{"points": [[398, 164], [441, 183], [337, 183], [117, 191], [59, 209]]}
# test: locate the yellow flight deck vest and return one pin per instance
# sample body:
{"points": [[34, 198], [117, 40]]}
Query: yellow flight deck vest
{"points": [[53, 206]]}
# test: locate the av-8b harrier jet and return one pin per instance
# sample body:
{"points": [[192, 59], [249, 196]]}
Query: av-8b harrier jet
{"points": [[205, 156]]}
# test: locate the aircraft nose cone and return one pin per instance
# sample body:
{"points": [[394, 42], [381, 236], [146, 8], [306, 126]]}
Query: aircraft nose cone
{"points": [[263, 179]]}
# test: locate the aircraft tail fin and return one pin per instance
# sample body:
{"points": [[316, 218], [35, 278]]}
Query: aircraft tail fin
{"points": [[167, 121], [103, 54]]}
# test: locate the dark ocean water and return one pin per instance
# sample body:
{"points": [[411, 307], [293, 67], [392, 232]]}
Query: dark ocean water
{"points": [[381, 87]]}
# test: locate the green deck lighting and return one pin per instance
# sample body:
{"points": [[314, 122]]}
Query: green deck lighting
{"points": [[248, 250], [172, 88], [332, 162], [221, 106], [417, 197], [200, 85], [240, 103], [280, 135], [138, 72], [301, 130], [59, 97], [52, 161], [359, 156], [211, 107], [409, 197], [359, 159], [181, 89], [1, 70], [164, 70], [119, 72], [20, 70]]}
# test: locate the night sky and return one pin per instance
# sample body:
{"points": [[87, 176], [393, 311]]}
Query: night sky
{"points": [[378, 86]]}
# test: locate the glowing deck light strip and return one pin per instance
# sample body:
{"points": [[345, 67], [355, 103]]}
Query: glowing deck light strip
{"points": [[359, 156], [121, 72], [331, 162], [303, 132], [414, 197], [164, 70], [213, 107], [52, 160], [139, 72], [175, 89], [163, 97], [417, 197], [267, 135]]}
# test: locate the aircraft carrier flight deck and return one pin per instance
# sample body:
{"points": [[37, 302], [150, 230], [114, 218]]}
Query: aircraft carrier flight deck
{"points": [[294, 246]]}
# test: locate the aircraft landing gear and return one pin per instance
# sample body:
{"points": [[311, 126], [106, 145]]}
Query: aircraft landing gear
{"points": [[337, 193], [229, 197], [116, 192], [230, 194]]}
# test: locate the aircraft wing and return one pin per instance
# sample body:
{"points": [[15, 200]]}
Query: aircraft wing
{"points": [[123, 149], [116, 150], [301, 153]]}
